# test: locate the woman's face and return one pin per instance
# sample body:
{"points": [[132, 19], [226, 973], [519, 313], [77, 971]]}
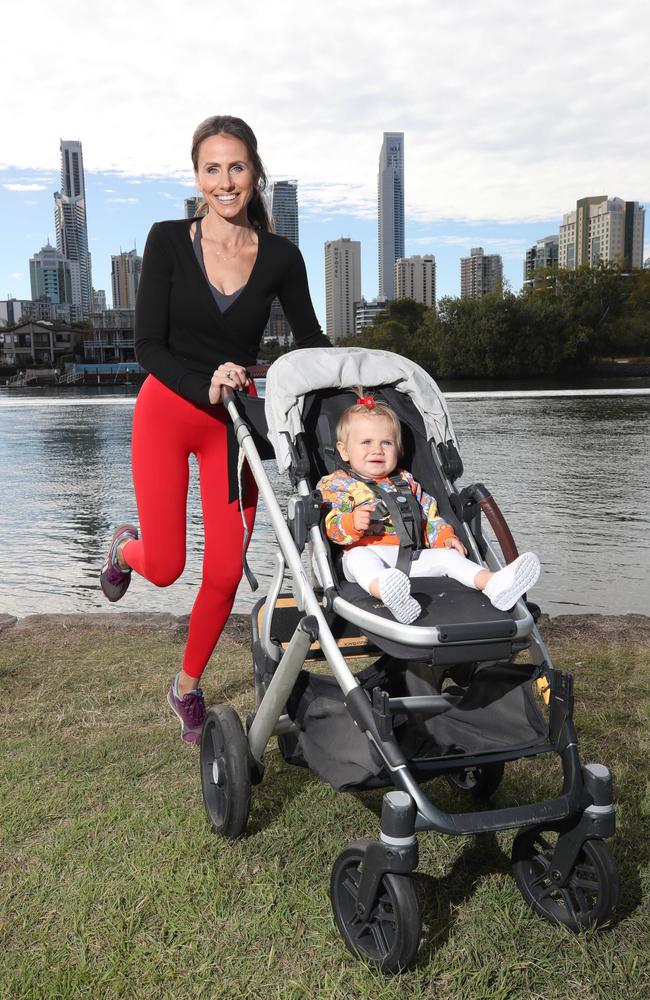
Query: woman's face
{"points": [[225, 176]]}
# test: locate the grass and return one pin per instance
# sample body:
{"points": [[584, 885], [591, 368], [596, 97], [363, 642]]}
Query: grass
{"points": [[111, 884]]}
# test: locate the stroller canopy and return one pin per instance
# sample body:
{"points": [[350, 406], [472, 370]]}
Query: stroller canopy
{"points": [[299, 372]]}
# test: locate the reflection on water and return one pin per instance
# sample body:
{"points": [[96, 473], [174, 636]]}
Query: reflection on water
{"points": [[570, 473]]}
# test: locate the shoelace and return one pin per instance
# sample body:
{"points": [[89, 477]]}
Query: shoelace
{"points": [[195, 706]]}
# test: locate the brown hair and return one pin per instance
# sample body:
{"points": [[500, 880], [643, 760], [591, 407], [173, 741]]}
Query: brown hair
{"points": [[238, 129], [378, 410]]}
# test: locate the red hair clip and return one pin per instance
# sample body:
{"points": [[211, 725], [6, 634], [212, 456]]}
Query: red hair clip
{"points": [[366, 401]]}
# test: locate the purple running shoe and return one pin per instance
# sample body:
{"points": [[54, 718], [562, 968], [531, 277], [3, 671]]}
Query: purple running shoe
{"points": [[113, 580], [190, 709]]}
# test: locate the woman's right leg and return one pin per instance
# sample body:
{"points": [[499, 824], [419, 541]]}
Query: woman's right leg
{"points": [[160, 452]]}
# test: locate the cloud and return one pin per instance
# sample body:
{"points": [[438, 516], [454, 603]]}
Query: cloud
{"points": [[510, 112], [17, 186], [16, 275], [124, 201], [109, 190]]}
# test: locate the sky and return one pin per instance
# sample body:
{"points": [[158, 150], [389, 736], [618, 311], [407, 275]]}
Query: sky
{"points": [[509, 114]]}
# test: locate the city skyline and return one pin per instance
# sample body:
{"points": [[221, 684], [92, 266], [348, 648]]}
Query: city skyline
{"points": [[494, 165]]}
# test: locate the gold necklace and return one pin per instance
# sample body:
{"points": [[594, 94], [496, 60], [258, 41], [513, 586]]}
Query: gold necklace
{"points": [[221, 254]]}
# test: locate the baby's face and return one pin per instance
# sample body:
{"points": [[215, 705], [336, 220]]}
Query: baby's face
{"points": [[370, 449]]}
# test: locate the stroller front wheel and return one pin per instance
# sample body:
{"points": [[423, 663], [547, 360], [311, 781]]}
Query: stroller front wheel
{"points": [[589, 895], [225, 771], [388, 937]]}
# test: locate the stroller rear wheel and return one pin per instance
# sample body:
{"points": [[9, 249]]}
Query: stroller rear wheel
{"points": [[389, 935], [481, 781], [590, 894], [225, 771]]}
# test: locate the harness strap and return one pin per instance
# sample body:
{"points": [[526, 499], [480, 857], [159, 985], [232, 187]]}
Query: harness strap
{"points": [[405, 515]]}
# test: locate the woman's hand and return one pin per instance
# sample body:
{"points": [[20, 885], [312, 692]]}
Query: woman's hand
{"points": [[228, 374]]}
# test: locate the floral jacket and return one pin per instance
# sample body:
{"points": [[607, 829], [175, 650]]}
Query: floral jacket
{"points": [[344, 493]]}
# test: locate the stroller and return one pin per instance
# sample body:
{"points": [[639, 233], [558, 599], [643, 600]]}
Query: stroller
{"points": [[446, 696]]}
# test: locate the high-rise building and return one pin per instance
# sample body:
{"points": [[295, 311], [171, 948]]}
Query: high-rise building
{"points": [[415, 278], [542, 254], [191, 206], [365, 312], [390, 197], [342, 285], [71, 223], [283, 202], [125, 277], [50, 275], [480, 273], [602, 229]]}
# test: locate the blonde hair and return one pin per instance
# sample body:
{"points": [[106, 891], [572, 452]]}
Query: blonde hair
{"points": [[378, 410]]}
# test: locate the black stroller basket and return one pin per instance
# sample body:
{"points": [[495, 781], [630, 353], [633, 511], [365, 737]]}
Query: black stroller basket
{"points": [[448, 696]]}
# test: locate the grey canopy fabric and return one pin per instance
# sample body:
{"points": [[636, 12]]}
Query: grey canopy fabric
{"points": [[299, 372]]}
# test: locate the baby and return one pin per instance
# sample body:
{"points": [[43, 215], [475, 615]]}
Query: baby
{"points": [[370, 442]]}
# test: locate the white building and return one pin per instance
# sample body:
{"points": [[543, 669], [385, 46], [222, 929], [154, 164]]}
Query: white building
{"points": [[71, 224], [390, 203], [342, 285], [39, 310], [125, 278], [602, 228], [99, 300], [365, 312], [480, 273], [415, 278]]}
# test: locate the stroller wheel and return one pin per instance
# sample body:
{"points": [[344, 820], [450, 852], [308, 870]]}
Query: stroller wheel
{"points": [[225, 771], [389, 935], [590, 894], [482, 781]]}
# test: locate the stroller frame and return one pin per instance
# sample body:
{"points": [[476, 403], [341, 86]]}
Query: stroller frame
{"points": [[581, 816]]}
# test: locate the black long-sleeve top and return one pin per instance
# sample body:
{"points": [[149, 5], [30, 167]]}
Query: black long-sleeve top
{"points": [[181, 335]]}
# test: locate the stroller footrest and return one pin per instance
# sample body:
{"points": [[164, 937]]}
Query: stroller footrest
{"points": [[477, 630]]}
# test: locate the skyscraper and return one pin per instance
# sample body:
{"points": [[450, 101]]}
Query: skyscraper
{"points": [[602, 228], [415, 278], [342, 286], [125, 278], [480, 273], [390, 196], [71, 223], [284, 213]]}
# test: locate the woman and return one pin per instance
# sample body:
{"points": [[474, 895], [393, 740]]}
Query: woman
{"points": [[204, 298]]}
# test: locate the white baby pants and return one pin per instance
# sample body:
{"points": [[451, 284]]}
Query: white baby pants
{"points": [[363, 564]]}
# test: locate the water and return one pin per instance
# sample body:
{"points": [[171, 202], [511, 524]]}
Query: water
{"points": [[570, 471]]}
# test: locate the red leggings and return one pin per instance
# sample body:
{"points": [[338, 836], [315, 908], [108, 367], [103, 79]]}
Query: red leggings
{"points": [[166, 430]]}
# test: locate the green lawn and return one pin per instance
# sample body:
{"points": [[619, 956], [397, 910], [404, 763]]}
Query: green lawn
{"points": [[111, 884]]}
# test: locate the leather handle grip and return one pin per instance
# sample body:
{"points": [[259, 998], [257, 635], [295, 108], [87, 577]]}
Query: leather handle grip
{"points": [[497, 522]]}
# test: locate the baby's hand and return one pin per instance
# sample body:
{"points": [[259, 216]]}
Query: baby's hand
{"points": [[455, 543], [361, 516]]}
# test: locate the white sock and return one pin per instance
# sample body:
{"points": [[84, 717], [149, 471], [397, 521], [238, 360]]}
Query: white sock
{"points": [[510, 583], [395, 592]]}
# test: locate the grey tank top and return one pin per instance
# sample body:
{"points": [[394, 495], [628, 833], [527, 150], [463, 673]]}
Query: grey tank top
{"points": [[222, 300]]}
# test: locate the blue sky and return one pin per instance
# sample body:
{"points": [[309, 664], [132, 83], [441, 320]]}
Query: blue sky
{"points": [[509, 116]]}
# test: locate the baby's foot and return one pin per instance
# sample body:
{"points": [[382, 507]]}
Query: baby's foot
{"points": [[506, 587], [395, 592]]}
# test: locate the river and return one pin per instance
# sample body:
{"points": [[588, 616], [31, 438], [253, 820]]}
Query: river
{"points": [[569, 468]]}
